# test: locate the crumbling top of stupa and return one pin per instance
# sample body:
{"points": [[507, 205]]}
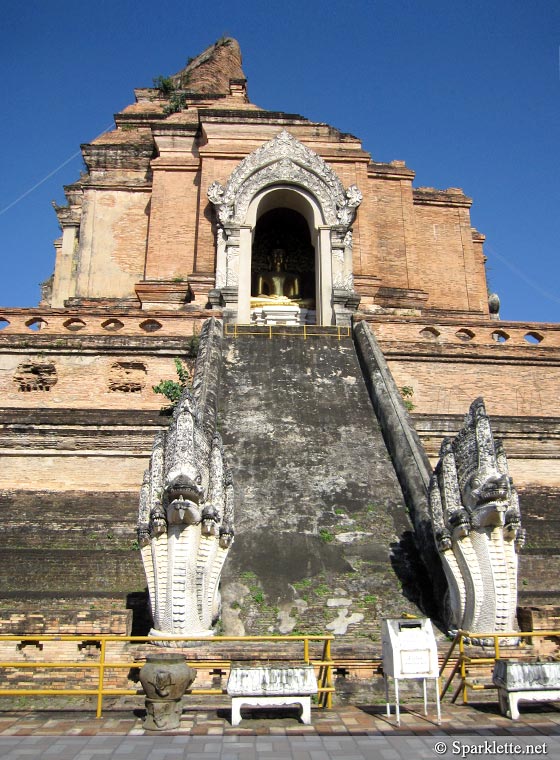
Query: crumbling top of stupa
{"points": [[212, 70]]}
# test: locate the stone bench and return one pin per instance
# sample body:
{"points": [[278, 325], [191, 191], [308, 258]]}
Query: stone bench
{"points": [[272, 685], [527, 681]]}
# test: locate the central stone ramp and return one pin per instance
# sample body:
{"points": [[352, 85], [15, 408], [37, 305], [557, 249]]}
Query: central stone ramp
{"points": [[323, 538]]}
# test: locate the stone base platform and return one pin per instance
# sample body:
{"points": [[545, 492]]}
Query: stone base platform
{"points": [[509, 700], [238, 702]]}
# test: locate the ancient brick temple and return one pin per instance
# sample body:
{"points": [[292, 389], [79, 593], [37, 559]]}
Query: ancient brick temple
{"points": [[201, 204]]}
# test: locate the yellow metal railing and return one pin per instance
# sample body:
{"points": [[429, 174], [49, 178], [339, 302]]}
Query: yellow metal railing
{"points": [[466, 662], [323, 665], [302, 331]]}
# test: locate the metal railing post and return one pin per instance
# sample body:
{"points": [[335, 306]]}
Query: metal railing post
{"points": [[463, 668], [101, 675], [329, 672]]}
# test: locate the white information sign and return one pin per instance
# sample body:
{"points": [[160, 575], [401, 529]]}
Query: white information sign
{"points": [[409, 651], [416, 661]]}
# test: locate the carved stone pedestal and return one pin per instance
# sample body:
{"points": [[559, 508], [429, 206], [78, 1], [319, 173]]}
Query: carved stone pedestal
{"points": [[162, 715], [286, 314]]}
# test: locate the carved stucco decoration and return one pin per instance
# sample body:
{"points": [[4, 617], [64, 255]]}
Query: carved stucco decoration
{"points": [[185, 522], [221, 255], [343, 277], [477, 527], [284, 160]]}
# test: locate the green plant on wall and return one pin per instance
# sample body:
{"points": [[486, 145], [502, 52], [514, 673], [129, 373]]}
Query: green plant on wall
{"points": [[177, 102], [407, 392], [173, 389], [168, 88], [163, 84]]}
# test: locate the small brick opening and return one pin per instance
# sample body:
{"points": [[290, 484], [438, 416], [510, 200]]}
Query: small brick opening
{"points": [[127, 377], [430, 333], [150, 325], [35, 377]]}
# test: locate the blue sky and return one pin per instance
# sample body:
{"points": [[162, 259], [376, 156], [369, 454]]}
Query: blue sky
{"points": [[468, 94]]}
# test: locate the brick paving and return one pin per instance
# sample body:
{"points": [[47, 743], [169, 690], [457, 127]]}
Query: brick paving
{"points": [[481, 719]]}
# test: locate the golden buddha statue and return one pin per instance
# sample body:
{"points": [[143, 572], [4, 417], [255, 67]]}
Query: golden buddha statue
{"points": [[277, 286]]}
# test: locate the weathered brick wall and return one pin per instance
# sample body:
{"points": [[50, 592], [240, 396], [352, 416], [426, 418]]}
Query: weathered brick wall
{"points": [[449, 387], [539, 566], [113, 237], [446, 266], [63, 652], [69, 519], [532, 444], [173, 219], [56, 572], [508, 388], [541, 618], [436, 335], [86, 471], [64, 622], [100, 379], [383, 215], [355, 173], [449, 363], [213, 168]]}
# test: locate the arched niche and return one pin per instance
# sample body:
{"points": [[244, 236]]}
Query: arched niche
{"points": [[284, 173], [300, 202]]}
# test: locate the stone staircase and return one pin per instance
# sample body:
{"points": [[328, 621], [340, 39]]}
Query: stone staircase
{"points": [[323, 538]]}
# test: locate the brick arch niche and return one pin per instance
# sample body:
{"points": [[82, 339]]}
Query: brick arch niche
{"points": [[284, 173]]}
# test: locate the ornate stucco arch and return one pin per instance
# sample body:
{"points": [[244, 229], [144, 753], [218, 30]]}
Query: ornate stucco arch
{"points": [[284, 162]]}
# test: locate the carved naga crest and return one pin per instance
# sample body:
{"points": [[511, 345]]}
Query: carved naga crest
{"points": [[185, 525], [476, 522]]}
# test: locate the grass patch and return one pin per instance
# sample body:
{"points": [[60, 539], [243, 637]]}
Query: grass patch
{"points": [[322, 590], [304, 583]]}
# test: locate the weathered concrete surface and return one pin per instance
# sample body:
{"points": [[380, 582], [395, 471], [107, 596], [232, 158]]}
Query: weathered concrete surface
{"points": [[405, 448], [323, 540]]}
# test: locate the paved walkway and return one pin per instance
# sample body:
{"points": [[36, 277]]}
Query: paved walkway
{"points": [[477, 719], [343, 733]]}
